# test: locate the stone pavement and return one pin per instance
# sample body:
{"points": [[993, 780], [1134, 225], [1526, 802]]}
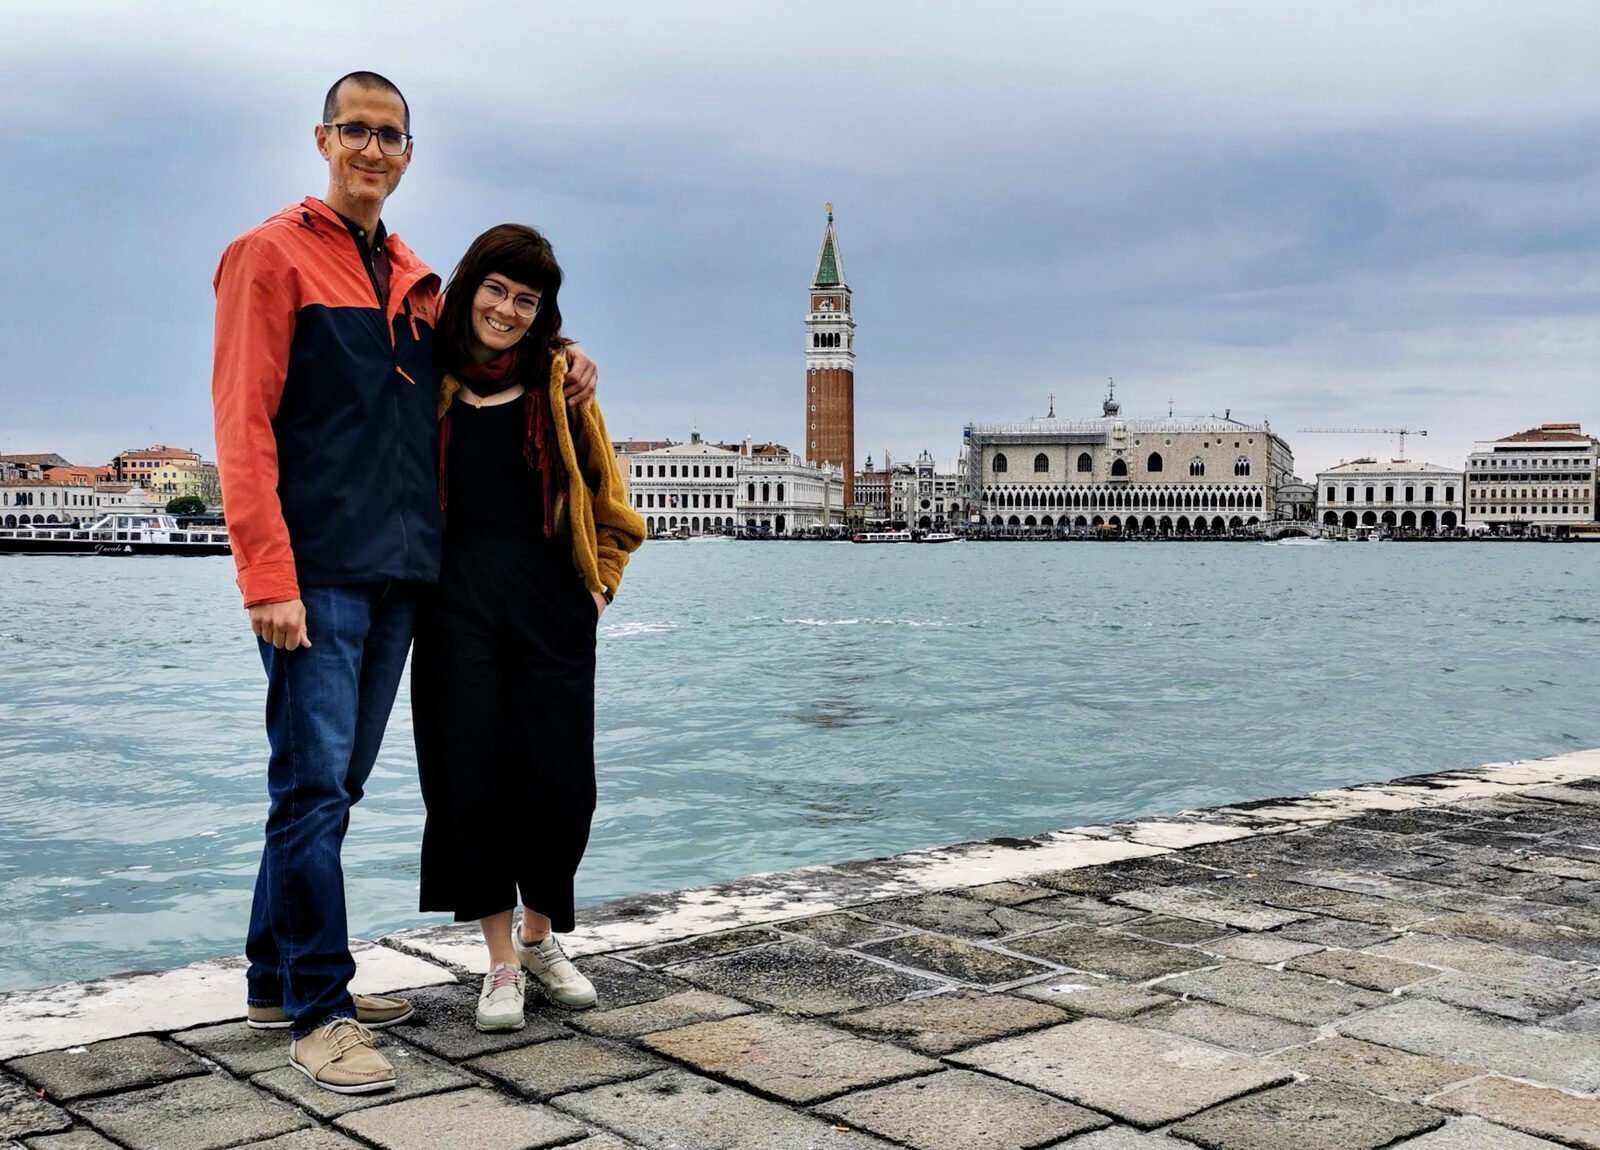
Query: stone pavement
{"points": [[1411, 964]]}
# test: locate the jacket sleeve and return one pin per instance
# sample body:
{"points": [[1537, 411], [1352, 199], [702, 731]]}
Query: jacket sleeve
{"points": [[254, 329], [618, 529]]}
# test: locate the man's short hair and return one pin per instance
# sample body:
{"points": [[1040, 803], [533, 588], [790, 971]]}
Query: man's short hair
{"points": [[368, 80]]}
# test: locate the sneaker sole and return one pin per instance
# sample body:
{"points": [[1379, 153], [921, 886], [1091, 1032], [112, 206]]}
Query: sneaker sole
{"points": [[285, 1024], [497, 1027], [362, 1088]]}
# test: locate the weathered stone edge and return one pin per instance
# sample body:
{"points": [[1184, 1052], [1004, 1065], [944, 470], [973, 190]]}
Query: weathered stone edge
{"points": [[208, 992]]}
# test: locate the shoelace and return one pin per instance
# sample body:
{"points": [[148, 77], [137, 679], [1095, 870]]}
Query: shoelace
{"points": [[503, 976], [345, 1034]]}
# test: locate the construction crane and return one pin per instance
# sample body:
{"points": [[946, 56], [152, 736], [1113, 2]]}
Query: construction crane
{"points": [[1402, 432]]}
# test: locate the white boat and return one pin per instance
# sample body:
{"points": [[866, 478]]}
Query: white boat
{"points": [[939, 537], [881, 537], [121, 533]]}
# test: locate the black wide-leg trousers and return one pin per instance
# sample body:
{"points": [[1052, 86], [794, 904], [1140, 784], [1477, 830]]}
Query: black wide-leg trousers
{"points": [[502, 696]]}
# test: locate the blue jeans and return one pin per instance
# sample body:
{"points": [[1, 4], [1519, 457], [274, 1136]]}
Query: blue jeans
{"points": [[327, 706]]}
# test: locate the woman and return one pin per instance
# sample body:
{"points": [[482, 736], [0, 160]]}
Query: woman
{"points": [[537, 532]]}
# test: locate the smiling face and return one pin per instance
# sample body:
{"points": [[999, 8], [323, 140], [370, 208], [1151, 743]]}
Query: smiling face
{"points": [[502, 312], [360, 181]]}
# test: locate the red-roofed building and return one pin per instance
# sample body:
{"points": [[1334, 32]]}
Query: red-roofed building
{"points": [[1538, 482]]}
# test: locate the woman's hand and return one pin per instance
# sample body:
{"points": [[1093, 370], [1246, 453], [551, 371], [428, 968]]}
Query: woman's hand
{"points": [[600, 604], [582, 377]]}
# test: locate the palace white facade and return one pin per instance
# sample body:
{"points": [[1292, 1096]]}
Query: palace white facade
{"points": [[1536, 482], [685, 486], [1150, 476], [922, 497], [27, 501], [1396, 495], [780, 492]]}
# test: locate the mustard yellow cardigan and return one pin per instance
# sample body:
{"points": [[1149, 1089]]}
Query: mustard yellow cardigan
{"points": [[593, 507]]}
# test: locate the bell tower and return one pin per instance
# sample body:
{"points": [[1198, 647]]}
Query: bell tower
{"points": [[831, 365]]}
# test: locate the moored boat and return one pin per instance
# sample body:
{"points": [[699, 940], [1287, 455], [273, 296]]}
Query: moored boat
{"points": [[881, 537], [121, 533], [939, 537]]}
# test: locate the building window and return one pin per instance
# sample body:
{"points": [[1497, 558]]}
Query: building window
{"points": [[1085, 464], [1197, 466], [999, 464], [1332, 495], [1119, 468], [1427, 494], [1154, 462], [1041, 462], [1371, 492], [1449, 494], [1241, 466], [1388, 494], [1411, 494]]}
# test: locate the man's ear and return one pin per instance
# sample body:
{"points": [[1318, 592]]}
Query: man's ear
{"points": [[321, 135]]}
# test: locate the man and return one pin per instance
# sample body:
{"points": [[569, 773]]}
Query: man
{"points": [[325, 399]]}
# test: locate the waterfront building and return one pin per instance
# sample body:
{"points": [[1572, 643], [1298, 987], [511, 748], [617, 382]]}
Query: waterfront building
{"points": [[830, 417], [1296, 501], [1397, 495], [870, 493], [1539, 482], [28, 501], [140, 465], [1116, 475], [923, 497], [781, 493], [687, 487]]}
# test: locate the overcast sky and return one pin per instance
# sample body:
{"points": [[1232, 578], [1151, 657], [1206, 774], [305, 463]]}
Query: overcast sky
{"points": [[1352, 214]]}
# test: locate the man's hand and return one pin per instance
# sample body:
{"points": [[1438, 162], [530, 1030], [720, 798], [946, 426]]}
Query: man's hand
{"points": [[582, 376], [281, 624]]}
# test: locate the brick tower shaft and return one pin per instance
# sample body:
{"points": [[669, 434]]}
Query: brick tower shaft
{"points": [[830, 365]]}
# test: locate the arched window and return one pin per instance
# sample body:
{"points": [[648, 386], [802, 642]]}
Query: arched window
{"points": [[999, 463], [1241, 466], [1041, 462], [780, 493], [1085, 464], [1197, 466], [1154, 462], [1120, 468], [751, 489]]}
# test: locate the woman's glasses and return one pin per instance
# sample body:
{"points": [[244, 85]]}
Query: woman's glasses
{"points": [[493, 292]]}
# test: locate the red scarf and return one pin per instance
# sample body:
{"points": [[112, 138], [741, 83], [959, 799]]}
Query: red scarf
{"points": [[539, 448]]}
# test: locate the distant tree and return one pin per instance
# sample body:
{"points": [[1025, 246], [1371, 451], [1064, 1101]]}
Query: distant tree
{"points": [[186, 505]]}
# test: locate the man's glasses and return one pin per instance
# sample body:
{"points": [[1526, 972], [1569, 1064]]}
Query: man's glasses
{"points": [[391, 141], [493, 291]]}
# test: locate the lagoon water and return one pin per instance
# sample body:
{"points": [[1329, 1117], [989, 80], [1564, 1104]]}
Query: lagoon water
{"points": [[769, 706]]}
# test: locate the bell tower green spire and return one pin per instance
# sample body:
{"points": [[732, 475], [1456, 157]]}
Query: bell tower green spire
{"points": [[830, 268]]}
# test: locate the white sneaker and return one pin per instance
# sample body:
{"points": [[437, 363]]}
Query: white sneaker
{"points": [[500, 1003], [546, 961]]}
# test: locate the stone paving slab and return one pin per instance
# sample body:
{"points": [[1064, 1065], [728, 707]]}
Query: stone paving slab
{"points": [[667, 1013], [1263, 948], [1518, 934], [1103, 951], [22, 1111], [317, 1138], [792, 1060], [1176, 931], [461, 1118], [1470, 956], [1518, 1001], [1277, 993], [550, 1068], [1185, 903], [953, 914], [1434, 1028], [1235, 1029], [683, 1111], [940, 1024], [1326, 901], [238, 1049], [1380, 1069], [1124, 1138], [704, 946], [950, 958], [1132, 874], [79, 1139], [1337, 933], [958, 1110], [105, 1067], [1309, 1116], [801, 978], [1143, 1077], [1083, 995], [191, 1114], [1475, 1134], [844, 929], [415, 1075], [1535, 1110], [1374, 972]]}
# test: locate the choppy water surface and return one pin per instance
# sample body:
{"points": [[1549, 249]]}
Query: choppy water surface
{"points": [[767, 706]]}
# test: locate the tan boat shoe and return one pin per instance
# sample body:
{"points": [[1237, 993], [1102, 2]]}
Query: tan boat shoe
{"points": [[374, 1011], [340, 1057]]}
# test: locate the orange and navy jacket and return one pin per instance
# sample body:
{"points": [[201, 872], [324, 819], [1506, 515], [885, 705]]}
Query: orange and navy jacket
{"points": [[325, 408]]}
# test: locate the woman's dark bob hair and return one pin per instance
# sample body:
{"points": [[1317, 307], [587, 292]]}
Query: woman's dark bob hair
{"points": [[519, 253]]}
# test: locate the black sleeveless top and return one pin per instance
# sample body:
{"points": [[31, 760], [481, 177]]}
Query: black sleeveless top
{"points": [[493, 491]]}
